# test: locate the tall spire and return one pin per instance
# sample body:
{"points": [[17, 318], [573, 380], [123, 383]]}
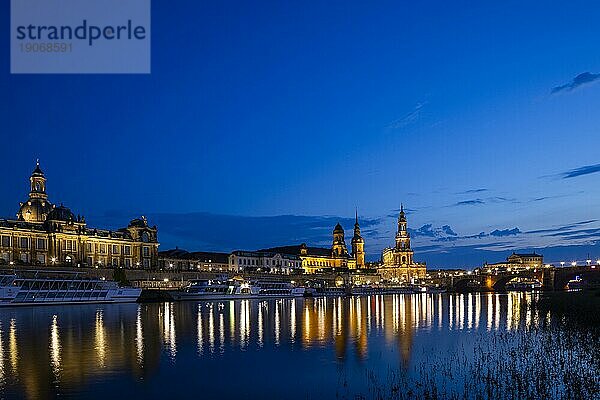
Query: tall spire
{"points": [[403, 236], [401, 216], [356, 226], [358, 243]]}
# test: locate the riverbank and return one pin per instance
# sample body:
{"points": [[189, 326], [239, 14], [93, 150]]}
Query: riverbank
{"points": [[581, 307]]}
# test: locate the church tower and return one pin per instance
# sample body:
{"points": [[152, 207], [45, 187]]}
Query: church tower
{"points": [[397, 263], [402, 236], [338, 248], [403, 251], [358, 245]]}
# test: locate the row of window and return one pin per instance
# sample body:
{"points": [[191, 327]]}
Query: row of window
{"points": [[115, 262], [40, 243], [313, 263], [23, 242], [259, 262], [71, 245], [101, 248]]}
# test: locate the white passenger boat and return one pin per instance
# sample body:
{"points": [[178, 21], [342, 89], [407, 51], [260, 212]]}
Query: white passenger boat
{"points": [[205, 289], [71, 289]]}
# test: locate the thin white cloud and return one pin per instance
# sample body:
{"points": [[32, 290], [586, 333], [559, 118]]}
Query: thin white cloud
{"points": [[413, 116]]}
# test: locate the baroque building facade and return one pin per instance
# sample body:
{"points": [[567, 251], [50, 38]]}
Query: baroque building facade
{"points": [[46, 234], [516, 262], [333, 259], [264, 261], [397, 263]]}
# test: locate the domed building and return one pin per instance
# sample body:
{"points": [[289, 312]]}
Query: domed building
{"points": [[47, 234], [323, 259]]}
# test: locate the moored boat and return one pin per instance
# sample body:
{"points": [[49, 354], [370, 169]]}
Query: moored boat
{"points": [[69, 289], [205, 289]]}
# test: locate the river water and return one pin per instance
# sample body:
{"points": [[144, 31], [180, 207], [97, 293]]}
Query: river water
{"points": [[286, 348]]}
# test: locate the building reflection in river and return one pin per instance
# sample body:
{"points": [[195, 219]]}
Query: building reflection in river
{"points": [[47, 348]]}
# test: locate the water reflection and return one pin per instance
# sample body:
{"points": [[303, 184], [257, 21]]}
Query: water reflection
{"points": [[2, 373], [12, 345], [80, 343], [100, 341], [55, 348], [167, 317], [139, 338]]}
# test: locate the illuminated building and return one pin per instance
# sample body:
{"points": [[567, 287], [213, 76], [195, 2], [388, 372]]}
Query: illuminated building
{"points": [[397, 262], [333, 259], [264, 261], [47, 234], [516, 262]]}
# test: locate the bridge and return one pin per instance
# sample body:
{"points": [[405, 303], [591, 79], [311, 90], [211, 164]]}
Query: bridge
{"points": [[497, 280], [551, 278]]}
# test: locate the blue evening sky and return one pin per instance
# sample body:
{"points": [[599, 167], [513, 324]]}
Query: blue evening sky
{"points": [[264, 123]]}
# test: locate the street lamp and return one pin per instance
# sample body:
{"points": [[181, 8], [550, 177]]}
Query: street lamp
{"points": [[562, 263], [53, 260], [574, 264]]}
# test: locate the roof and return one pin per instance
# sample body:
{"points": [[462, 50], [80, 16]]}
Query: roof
{"points": [[37, 170], [173, 253], [60, 213], [204, 256], [296, 250], [201, 256], [265, 253], [526, 254]]}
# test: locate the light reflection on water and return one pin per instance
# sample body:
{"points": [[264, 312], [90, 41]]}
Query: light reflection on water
{"points": [[156, 349], [55, 348]]}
